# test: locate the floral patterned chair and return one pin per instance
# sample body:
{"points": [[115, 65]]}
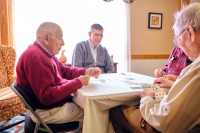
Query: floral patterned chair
{"points": [[10, 104]]}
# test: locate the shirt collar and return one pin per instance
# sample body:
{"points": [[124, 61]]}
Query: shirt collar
{"points": [[44, 48], [91, 44]]}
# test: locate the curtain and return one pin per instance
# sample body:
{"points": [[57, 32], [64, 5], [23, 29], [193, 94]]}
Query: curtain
{"points": [[75, 18], [6, 34]]}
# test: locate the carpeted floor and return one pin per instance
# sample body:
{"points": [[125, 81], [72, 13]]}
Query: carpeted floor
{"points": [[16, 129], [20, 127]]}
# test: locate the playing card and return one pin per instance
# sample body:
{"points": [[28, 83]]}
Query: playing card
{"points": [[149, 87], [159, 93], [107, 81]]}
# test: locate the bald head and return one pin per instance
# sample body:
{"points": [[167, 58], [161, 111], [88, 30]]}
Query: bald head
{"points": [[47, 28], [50, 36]]}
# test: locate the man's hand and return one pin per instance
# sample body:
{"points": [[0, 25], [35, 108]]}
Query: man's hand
{"points": [[163, 82], [84, 80], [170, 77], [93, 72], [159, 73]]}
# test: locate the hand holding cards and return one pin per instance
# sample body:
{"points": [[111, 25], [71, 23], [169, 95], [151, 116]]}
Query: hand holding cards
{"points": [[159, 93]]}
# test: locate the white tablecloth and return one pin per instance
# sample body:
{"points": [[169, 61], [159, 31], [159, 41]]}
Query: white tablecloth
{"points": [[108, 91]]}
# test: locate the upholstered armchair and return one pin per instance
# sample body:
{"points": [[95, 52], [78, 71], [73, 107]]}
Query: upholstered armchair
{"points": [[10, 104]]}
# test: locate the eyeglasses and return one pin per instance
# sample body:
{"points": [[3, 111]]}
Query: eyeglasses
{"points": [[96, 35], [174, 39]]}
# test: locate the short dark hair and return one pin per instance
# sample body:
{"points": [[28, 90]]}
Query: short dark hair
{"points": [[96, 26]]}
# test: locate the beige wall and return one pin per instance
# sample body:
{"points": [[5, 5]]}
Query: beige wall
{"points": [[151, 41], [147, 66], [146, 41]]}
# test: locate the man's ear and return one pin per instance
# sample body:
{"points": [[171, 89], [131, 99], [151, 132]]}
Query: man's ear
{"points": [[46, 39], [89, 33], [192, 33]]}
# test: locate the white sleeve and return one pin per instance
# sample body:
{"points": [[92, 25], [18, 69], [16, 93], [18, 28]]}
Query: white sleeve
{"points": [[179, 111]]}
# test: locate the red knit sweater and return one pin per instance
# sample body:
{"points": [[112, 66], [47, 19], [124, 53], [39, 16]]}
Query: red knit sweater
{"points": [[45, 78]]}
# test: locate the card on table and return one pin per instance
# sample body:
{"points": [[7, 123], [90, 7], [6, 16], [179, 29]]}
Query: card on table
{"points": [[129, 81], [159, 92], [136, 87], [107, 81]]}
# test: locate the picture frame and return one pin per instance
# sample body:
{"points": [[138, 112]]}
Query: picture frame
{"points": [[155, 20]]}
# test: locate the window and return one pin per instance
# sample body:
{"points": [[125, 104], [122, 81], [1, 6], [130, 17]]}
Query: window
{"points": [[75, 18]]}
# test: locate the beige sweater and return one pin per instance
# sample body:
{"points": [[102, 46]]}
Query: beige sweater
{"points": [[179, 111]]}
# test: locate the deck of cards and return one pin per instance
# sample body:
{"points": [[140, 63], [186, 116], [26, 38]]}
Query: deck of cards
{"points": [[159, 92]]}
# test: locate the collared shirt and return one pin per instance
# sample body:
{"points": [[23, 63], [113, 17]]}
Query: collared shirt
{"points": [[93, 50], [44, 48], [176, 62], [83, 57]]}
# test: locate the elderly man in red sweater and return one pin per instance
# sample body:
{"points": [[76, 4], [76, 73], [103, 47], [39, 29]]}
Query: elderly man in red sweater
{"points": [[48, 81]]}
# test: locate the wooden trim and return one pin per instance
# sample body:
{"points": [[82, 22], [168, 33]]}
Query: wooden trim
{"points": [[163, 56], [115, 66], [182, 2]]}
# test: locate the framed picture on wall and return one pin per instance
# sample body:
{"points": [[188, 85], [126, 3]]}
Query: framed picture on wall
{"points": [[155, 20]]}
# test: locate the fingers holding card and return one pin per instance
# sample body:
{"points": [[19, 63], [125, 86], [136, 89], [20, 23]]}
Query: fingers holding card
{"points": [[159, 93]]}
